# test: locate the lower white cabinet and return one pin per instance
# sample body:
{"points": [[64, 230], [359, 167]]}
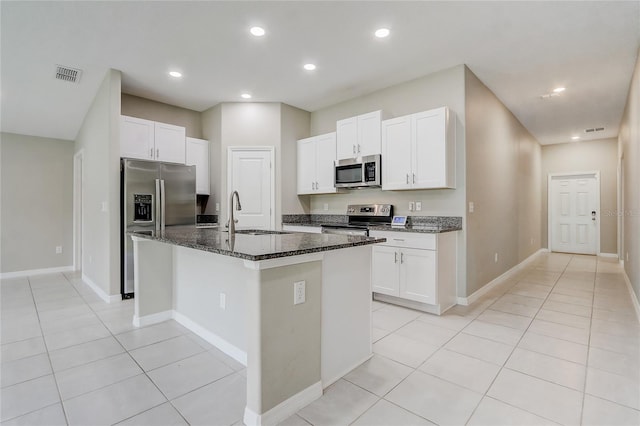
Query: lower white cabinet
{"points": [[197, 154], [302, 228], [415, 270]]}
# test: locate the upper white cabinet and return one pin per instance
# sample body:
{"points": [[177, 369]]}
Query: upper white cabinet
{"points": [[197, 154], [150, 140], [316, 156], [418, 151], [358, 136]]}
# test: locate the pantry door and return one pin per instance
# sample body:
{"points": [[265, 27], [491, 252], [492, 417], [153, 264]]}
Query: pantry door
{"points": [[574, 204], [251, 173]]}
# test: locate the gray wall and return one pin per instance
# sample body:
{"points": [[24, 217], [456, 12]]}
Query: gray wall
{"points": [[212, 131], [597, 155], [37, 202], [503, 178], [444, 88], [295, 126], [99, 141], [135, 106], [629, 147]]}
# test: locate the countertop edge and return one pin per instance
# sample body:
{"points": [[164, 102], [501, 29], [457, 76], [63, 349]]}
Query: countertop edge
{"points": [[382, 228]]}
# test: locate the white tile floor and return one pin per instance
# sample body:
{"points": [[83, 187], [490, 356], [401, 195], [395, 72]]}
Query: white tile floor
{"points": [[558, 344]]}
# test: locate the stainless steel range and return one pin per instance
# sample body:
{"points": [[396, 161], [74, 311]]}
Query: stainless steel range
{"points": [[361, 216]]}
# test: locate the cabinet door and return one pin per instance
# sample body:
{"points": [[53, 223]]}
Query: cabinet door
{"points": [[384, 273], [197, 154], [325, 158], [306, 164], [346, 138], [429, 149], [418, 275], [136, 138], [170, 143], [396, 153], [369, 140]]}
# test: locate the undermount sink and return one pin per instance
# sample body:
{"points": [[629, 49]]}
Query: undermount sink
{"points": [[260, 232]]}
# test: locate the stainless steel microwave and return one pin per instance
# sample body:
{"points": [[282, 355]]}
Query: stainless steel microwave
{"points": [[358, 172]]}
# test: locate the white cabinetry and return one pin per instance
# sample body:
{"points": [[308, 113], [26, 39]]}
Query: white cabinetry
{"points": [[415, 270], [418, 151], [359, 136], [316, 156], [150, 140], [302, 228], [197, 154]]}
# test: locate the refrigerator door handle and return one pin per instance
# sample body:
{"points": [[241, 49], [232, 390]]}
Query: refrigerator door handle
{"points": [[158, 198], [162, 204]]}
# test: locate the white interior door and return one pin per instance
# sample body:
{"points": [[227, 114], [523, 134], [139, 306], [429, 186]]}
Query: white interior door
{"points": [[573, 213], [250, 172]]}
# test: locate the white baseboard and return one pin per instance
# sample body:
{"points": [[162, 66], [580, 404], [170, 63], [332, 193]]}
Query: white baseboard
{"points": [[217, 341], [26, 273], [99, 291], [331, 380], [285, 409], [614, 255], [632, 294], [153, 318], [499, 280]]}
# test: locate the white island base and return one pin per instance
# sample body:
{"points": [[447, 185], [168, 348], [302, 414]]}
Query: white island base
{"points": [[246, 309]]}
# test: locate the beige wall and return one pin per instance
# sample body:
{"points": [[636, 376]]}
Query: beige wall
{"points": [[295, 126], [629, 151], [37, 201], [135, 106], [444, 88], [99, 142], [503, 183], [597, 155]]}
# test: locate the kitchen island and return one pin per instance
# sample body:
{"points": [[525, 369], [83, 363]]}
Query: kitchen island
{"points": [[238, 294]]}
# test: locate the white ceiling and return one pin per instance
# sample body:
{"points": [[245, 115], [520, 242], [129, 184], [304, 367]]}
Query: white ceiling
{"points": [[520, 50]]}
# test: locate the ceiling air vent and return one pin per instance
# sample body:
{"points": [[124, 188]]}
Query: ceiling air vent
{"points": [[71, 75], [594, 129]]}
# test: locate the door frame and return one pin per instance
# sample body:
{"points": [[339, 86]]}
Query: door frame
{"points": [[592, 173], [271, 150], [78, 164]]}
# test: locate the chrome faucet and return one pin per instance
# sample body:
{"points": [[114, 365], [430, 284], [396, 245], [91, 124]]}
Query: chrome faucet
{"points": [[231, 224]]}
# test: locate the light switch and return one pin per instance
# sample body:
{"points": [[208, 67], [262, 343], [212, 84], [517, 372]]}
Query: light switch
{"points": [[418, 206], [471, 207], [299, 292]]}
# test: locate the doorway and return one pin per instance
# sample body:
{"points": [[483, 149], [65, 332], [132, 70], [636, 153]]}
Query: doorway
{"points": [[574, 208], [250, 171], [78, 159]]}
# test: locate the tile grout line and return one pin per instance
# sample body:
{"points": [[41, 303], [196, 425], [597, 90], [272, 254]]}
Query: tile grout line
{"points": [[586, 366]]}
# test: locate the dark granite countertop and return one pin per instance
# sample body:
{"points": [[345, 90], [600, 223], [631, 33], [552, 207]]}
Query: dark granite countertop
{"points": [[420, 224], [254, 247]]}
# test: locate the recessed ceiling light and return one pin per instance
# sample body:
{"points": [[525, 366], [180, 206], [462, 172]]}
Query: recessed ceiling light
{"points": [[309, 67], [382, 32], [257, 31], [575, 138], [175, 74], [245, 96], [559, 89]]}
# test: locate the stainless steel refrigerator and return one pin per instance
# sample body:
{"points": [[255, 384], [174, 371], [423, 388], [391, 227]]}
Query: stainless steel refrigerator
{"points": [[154, 196]]}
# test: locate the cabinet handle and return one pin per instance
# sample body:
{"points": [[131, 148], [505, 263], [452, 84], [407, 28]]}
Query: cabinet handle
{"points": [[158, 153], [395, 257], [151, 153], [414, 177], [407, 178], [358, 148], [354, 149], [401, 257], [317, 185], [397, 239]]}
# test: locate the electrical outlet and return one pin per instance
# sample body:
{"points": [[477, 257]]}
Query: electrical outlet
{"points": [[58, 249], [299, 295], [471, 207], [223, 301], [412, 206], [495, 258], [325, 207], [418, 206]]}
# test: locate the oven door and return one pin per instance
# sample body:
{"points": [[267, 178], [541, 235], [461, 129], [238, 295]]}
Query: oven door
{"points": [[345, 230]]}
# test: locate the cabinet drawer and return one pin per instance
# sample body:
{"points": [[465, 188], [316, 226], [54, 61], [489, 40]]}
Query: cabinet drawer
{"points": [[407, 239]]}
